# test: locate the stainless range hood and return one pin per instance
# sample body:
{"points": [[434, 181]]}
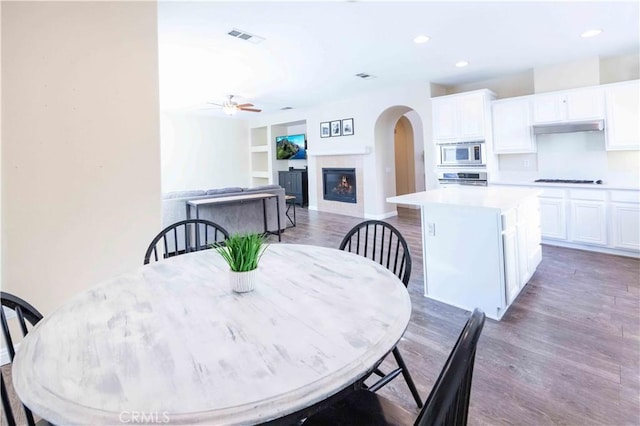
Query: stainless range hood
{"points": [[576, 126]]}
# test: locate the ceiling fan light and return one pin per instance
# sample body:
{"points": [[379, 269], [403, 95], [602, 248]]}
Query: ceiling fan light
{"points": [[229, 109]]}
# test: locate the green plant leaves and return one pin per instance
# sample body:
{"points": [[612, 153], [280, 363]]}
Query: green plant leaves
{"points": [[242, 251]]}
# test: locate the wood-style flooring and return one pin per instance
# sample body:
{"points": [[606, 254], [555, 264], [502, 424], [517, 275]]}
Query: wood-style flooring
{"points": [[566, 352]]}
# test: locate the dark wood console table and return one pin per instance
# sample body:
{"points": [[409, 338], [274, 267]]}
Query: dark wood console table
{"points": [[239, 199], [295, 182]]}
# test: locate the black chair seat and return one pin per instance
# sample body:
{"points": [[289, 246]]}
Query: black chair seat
{"points": [[447, 404], [362, 408]]}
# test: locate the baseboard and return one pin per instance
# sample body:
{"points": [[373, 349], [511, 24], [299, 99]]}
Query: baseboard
{"points": [[381, 216], [586, 247], [312, 207]]}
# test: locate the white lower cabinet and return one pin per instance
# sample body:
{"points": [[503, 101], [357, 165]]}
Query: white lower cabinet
{"points": [[588, 222], [512, 287], [625, 219], [553, 221], [521, 245], [591, 219]]}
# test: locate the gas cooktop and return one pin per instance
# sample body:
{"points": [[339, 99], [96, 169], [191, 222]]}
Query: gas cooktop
{"points": [[567, 181]]}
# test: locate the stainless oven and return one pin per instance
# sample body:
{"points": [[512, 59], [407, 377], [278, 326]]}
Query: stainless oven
{"points": [[462, 154], [463, 178]]}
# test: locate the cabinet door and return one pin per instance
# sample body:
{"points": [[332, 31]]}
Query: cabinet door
{"points": [[512, 126], [296, 182], [585, 104], [623, 110], [284, 180], [510, 265], [549, 108], [553, 218], [470, 117], [444, 119], [626, 226], [588, 222]]}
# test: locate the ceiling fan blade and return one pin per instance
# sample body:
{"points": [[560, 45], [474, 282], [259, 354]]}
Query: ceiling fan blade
{"points": [[250, 109], [213, 103], [244, 105]]}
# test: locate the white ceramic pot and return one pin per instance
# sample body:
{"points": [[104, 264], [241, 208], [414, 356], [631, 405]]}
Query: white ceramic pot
{"points": [[242, 282]]}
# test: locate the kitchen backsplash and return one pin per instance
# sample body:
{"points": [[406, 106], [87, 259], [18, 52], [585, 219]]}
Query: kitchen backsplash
{"points": [[580, 155]]}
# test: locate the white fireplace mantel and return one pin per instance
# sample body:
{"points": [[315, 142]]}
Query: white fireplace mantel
{"points": [[359, 151]]}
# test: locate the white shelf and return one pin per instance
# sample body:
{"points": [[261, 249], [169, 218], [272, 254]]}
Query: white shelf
{"points": [[260, 148], [358, 151], [260, 174]]}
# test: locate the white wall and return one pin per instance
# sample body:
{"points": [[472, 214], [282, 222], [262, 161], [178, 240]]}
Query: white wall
{"points": [[203, 152], [619, 68], [80, 144], [508, 86], [365, 110], [568, 75], [1, 184]]}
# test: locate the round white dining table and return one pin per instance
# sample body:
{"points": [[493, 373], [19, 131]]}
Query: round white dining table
{"points": [[171, 343]]}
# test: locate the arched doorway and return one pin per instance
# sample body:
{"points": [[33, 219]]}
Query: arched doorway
{"points": [[410, 161], [404, 157]]}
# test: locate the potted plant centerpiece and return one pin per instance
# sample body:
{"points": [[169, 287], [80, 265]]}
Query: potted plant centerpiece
{"points": [[243, 252]]}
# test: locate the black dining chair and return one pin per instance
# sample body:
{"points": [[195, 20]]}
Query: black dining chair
{"points": [[25, 313], [383, 243], [185, 236], [447, 404]]}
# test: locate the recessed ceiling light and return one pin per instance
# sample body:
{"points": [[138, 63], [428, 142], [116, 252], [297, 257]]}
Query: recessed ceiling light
{"points": [[421, 39], [461, 64], [590, 33]]}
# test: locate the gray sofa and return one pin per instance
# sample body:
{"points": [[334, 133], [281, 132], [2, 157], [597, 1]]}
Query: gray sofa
{"points": [[234, 217]]}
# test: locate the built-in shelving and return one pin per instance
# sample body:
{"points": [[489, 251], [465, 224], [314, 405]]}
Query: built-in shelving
{"points": [[264, 165]]}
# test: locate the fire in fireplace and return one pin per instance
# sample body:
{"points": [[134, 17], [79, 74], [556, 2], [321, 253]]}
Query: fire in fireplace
{"points": [[339, 185]]}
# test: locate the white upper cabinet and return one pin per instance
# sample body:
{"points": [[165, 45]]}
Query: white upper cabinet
{"points": [[444, 118], [512, 126], [585, 104], [622, 126], [464, 117], [574, 105]]}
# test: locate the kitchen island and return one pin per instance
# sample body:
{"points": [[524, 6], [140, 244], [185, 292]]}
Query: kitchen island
{"points": [[481, 245]]}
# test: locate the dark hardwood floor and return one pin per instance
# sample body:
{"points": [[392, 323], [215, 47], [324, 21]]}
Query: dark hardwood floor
{"points": [[567, 351]]}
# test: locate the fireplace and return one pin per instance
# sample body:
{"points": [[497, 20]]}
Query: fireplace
{"points": [[339, 185]]}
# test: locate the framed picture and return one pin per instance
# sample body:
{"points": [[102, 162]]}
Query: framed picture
{"points": [[347, 127], [335, 128], [325, 129]]}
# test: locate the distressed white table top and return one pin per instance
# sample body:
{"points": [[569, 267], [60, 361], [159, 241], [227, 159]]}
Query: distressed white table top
{"points": [[172, 339]]}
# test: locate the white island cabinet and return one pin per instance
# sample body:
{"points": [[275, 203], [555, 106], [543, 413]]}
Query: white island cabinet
{"points": [[480, 245]]}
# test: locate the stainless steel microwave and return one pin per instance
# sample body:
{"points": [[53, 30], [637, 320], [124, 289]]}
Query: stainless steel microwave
{"points": [[462, 154]]}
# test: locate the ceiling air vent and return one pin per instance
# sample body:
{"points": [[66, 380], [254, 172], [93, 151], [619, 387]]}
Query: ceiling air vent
{"points": [[243, 35], [365, 76]]}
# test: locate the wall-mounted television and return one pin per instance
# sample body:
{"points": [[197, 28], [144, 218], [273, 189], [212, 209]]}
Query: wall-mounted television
{"points": [[291, 147]]}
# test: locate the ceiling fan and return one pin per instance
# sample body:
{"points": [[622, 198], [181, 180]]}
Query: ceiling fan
{"points": [[230, 107]]}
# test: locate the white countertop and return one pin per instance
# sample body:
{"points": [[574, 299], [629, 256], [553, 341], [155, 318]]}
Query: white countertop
{"points": [[468, 196], [565, 185]]}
